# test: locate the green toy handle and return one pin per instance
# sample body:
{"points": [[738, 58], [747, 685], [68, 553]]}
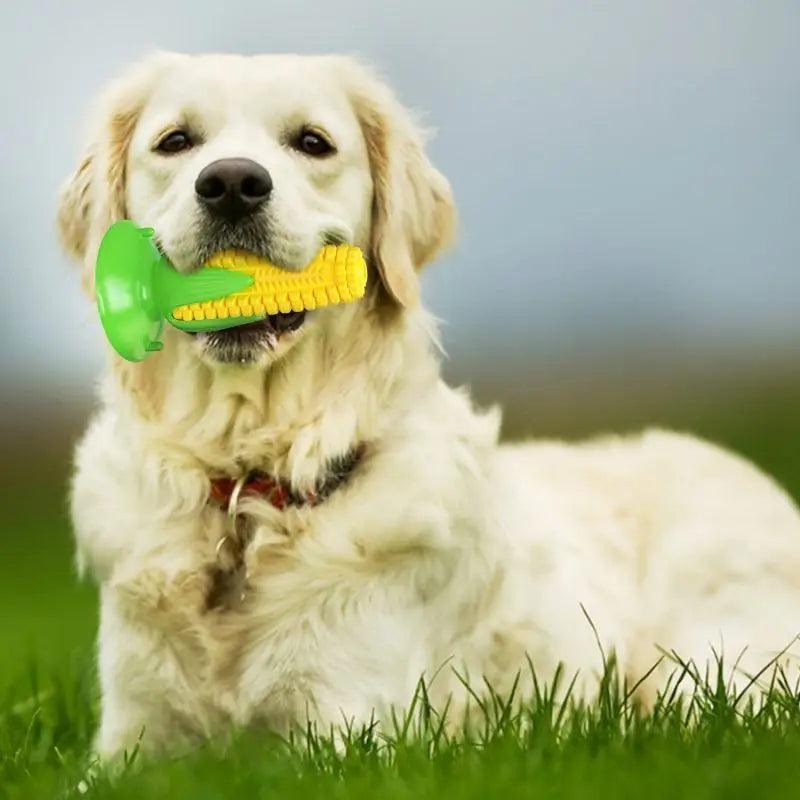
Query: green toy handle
{"points": [[137, 288]]}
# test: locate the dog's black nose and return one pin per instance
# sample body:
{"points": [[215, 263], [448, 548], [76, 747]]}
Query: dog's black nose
{"points": [[232, 188]]}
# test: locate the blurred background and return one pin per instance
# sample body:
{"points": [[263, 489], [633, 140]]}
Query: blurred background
{"points": [[629, 186]]}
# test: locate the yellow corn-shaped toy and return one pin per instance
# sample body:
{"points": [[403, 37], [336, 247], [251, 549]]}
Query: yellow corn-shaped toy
{"points": [[337, 275]]}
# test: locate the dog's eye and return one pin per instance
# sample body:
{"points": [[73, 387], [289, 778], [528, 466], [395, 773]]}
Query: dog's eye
{"points": [[174, 142], [312, 143]]}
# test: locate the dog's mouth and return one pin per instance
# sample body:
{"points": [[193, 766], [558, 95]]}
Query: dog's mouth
{"points": [[244, 343], [232, 342]]}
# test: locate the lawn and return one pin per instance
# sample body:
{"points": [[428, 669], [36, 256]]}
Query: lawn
{"points": [[712, 746]]}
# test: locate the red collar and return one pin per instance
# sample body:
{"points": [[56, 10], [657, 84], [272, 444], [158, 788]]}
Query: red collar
{"points": [[279, 492]]}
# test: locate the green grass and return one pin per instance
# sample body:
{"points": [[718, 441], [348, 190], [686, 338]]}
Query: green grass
{"points": [[712, 745]]}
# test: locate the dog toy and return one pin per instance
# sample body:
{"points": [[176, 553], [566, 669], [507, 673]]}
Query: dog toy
{"points": [[137, 288]]}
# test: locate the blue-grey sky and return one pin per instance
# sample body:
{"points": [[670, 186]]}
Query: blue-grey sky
{"points": [[627, 172]]}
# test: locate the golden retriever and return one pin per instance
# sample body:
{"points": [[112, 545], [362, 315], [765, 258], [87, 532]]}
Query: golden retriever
{"points": [[375, 531]]}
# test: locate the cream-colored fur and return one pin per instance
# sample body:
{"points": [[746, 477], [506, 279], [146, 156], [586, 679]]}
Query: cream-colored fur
{"points": [[443, 549]]}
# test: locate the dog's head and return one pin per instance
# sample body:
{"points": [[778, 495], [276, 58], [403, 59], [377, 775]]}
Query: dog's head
{"points": [[277, 155]]}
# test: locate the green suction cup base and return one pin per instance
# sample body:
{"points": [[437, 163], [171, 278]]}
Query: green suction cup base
{"points": [[124, 285]]}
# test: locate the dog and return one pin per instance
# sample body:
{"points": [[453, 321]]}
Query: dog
{"points": [[294, 521]]}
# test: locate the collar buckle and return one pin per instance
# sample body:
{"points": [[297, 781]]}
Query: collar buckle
{"points": [[229, 551]]}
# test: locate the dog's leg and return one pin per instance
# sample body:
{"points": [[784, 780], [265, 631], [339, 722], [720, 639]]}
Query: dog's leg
{"points": [[153, 657]]}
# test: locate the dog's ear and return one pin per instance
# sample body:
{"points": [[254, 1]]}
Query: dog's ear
{"points": [[94, 196], [413, 215], [73, 208]]}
